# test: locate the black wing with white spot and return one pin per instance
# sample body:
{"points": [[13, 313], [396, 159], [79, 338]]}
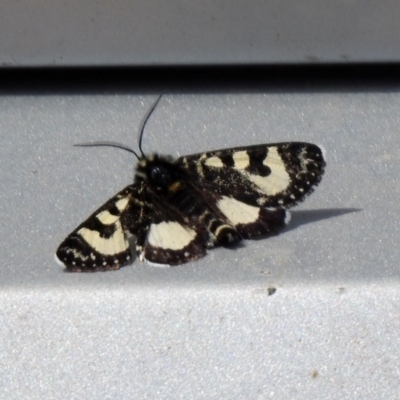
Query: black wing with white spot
{"points": [[101, 242], [162, 231], [276, 175], [171, 238]]}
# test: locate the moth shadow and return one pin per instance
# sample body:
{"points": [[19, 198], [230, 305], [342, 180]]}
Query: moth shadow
{"points": [[310, 216], [298, 218]]}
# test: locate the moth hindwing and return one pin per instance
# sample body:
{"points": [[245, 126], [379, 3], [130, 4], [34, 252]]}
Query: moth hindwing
{"points": [[176, 209]]}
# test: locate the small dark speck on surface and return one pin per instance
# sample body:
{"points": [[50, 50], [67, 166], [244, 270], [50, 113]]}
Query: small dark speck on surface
{"points": [[271, 291], [314, 373]]}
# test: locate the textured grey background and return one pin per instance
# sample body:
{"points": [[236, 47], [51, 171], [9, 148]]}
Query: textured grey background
{"points": [[176, 32], [207, 329]]}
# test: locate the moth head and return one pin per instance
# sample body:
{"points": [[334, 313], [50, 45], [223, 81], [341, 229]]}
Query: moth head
{"points": [[158, 171]]}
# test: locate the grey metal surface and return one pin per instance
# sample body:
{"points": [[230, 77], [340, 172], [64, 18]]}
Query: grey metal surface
{"points": [[207, 329], [175, 32]]}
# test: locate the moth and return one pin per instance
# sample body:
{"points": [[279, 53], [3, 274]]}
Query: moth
{"points": [[178, 208]]}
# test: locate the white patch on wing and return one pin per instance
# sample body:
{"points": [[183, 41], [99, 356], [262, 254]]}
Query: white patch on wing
{"points": [[238, 212], [107, 246], [278, 180], [58, 261], [241, 159], [170, 235], [122, 203], [106, 218], [214, 162]]}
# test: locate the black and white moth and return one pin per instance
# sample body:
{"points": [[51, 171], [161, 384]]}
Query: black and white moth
{"points": [[178, 208]]}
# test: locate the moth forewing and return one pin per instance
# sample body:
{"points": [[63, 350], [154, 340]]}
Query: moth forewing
{"points": [[101, 241], [271, 175]]}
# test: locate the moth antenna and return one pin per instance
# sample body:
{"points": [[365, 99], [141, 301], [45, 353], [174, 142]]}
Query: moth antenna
{"points": [[122, 146], [144, 121], [108, 144]]}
